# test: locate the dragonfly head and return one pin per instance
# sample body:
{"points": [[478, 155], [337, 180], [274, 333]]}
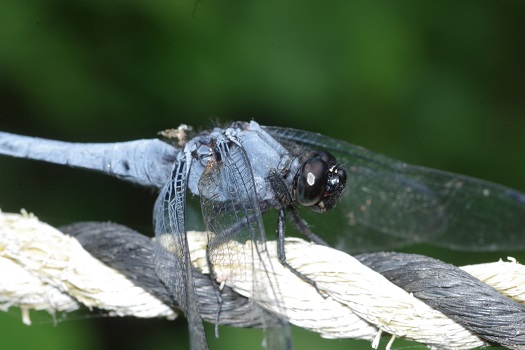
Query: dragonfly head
{"points": [[319, 182]]}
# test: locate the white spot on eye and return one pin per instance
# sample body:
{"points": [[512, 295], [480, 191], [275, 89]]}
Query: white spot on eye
{"points": [[310, 178], [486, 192]]}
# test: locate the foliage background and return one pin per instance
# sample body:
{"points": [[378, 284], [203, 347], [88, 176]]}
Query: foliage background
{"points": [[439, 84]]}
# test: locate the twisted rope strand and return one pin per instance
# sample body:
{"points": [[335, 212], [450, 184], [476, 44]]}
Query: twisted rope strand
{"points": [[43, 269]]}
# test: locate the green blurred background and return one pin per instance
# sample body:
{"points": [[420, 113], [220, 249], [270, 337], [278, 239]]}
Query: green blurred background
{"points": [[439, 84]]}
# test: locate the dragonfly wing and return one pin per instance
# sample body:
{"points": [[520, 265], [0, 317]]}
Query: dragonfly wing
{"points": [[173, 265], [389, 200], [232, 214]]}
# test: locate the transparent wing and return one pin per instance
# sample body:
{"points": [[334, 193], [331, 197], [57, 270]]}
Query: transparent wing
{"points": [[387, 201], [232, 214], [173, 265]]}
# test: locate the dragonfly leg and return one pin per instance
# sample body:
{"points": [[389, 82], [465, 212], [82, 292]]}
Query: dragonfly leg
{"points": [[303, 227], [216, 289], [282, 255]]}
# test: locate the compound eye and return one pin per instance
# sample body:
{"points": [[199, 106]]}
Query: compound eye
{"points": [[327, 157], [311, 181]]}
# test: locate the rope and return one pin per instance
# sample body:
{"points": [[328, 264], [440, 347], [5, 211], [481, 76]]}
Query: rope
{"points": [[437, 304]]}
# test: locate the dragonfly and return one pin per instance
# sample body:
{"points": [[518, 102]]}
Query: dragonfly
{"points": [[244, 170]]}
